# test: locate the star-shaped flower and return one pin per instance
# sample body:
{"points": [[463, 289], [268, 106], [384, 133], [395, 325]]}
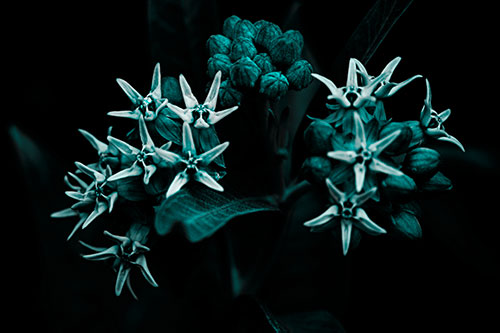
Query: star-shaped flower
{"points": [[387, 88], [147, 107], [432, 122], [127, 253], [352, 95], [138, 157], [195, 165], [346, 208], [202, 115], [365, 154], [93, 199]]}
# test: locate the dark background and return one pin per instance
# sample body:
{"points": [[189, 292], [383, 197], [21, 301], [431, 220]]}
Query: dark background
{"points": [[64, 58]]}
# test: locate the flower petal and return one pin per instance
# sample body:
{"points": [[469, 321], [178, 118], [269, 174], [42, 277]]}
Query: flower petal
{"points": [[352, 78], [100, 208], [359, 176], [359, 132], [144, 134], [185, 115], [108, 253], [68, 212], [215, 117], [116, 238], [75, 195], [156, 82], [204, 178], [135, 114], [360, 199], [132, 171], [96, 175], [132, 94], [378, 146], [201, 123], [77, 226], [121, 278], [129, 286], [390, 67], [210, 155], [149, 170], [123, 147], [179, 181], [100, 146], [379, 166], [400, 85], [187, 94], [168, 156], [188, 146], [366, 224], [346, 229], [453, 140], [425, 114], [444, 115], [211, 99], [324, 218], [335, 193], [111, 200], [141, 261], [348, 156]]}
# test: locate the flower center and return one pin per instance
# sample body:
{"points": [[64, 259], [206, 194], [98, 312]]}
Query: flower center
{"points": [[141, 156], [364, 156], [202, 111], [347, 210], [191, 165]]}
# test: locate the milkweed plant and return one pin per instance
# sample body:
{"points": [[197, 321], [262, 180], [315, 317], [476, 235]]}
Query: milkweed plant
{"points": [[170, 163]]}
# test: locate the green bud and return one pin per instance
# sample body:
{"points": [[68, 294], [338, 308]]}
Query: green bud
{"points": [[244, 73], [259, 24], [218, 62], [263, 60], [273, 85], [171, 90], [296, 36], [242, 47], [407, 224], [316, 169], [285, 50], [400, 185], [229, 24], [267, 33], [244, 28], [438, 182], [218, 44], [402, 142], [318, 137], [299, 74], [417, 134], [422, 161], [228, 95]]}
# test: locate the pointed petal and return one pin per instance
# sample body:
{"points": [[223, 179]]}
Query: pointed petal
{"points": [[135, 114], [179, 181], [453, 140], [215, 117], [425, 114], [97, 176], [149, 170], [100, 208], [77, 226], [361, 67], [346, 227], [201, 123], [345, 156], [71, 186], [324, 218], [141, 261], [187, 94], [143, 132], [378, 146], [445, 114], [187, 140], [359, 175], [111, 252], [359, 132], [75, 195], [436, 132], [211, 99], [400, 85], [352, 78], [168, 156], [91, 247], [132, 94], [122, 146], [116, 238], [78, 180], [129, 286], [185, 115], [121, 278], [390, 67], [210, 155], [156, 82], [335, 193], [68, 212], [366, 224], [328, 83], [132, 171], [360, 199], [101, 147], [379, 166], [204, 178], [111, 200]]}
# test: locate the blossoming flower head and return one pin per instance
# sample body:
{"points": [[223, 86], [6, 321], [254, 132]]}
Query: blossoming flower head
{"points": [[127, 253], [202, 115], [194, 165], [432, 121], [365, 154], [147, 107], [346, 209]]}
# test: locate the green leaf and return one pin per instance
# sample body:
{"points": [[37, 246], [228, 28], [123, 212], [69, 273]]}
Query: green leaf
{"points": [[202, 211], [169, 128]]}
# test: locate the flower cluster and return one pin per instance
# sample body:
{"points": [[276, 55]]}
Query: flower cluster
{"points": [[372, 166], [257, 55], [167, 147]]}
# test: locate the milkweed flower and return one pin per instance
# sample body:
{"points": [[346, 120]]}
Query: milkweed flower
{"points": [[346, 209]]}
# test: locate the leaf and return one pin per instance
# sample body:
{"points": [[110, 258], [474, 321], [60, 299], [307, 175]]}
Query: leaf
{"points": [[169, 128], [407, 224], [131, 188], [202, 211]]}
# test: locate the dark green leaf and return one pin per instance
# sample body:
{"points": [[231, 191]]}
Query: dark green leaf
{"points": [[202, 211], [169, 128]]}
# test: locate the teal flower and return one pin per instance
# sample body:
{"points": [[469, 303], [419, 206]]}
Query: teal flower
{"points": [[346, 209], [108, 154], [432, 122], [147, 107], [387, 88], [365, 154], [93, 199], [202, 115], [195, 165], [138, 157], [129, 252]]}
